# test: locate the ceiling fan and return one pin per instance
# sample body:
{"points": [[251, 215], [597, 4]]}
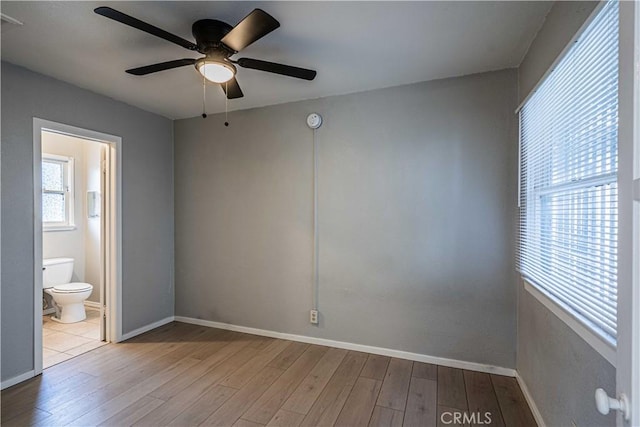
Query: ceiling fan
{"points": [[217, 41]]}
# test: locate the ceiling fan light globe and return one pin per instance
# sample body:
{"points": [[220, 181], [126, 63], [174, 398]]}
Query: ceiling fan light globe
{"points": [[216, 71]]}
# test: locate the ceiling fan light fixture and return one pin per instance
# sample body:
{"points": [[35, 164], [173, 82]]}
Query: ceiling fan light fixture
{"points": [[217, 41], [215, 70]]}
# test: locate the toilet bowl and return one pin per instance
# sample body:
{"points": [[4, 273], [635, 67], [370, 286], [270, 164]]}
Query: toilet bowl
{"points": [[68, 297]]}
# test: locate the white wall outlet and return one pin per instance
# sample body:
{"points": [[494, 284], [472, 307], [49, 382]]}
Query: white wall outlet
{"points": [[313, 316]]}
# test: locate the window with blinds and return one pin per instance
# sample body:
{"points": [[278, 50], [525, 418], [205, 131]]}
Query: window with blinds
{"points": [[568, 179]]}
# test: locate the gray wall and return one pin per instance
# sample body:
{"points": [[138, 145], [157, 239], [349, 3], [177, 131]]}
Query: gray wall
{"points": [[560, 369], [417, 201], [561, 23], [147, 203]]}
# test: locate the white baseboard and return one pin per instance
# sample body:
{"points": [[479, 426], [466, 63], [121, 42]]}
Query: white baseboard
{"points": [[18, 379], [532, 404], [92, 304], [146, 328], [452, 363]]}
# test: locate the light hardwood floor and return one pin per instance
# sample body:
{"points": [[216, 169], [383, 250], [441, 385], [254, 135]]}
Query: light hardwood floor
{"points": [[186, 375]]}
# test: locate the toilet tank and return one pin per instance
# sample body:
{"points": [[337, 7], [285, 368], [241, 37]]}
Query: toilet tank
{"points": [[56, 271]]}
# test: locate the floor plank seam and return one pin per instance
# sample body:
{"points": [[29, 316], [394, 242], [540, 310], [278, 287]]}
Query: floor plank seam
{"points": [[466, 398], [381, 385], [374, 404]]}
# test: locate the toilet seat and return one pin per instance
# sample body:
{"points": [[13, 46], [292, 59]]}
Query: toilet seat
{"points": [[70, 288]]}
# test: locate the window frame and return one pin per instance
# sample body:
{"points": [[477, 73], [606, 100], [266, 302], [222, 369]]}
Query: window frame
{"points": [[68, 172], [573, 319]]}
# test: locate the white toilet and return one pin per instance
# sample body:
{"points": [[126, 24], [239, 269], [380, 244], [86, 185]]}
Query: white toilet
{"points": [[68, 297]]}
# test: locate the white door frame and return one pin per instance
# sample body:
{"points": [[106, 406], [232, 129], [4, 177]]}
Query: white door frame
{"points": [[628, 349], [113, 253]]}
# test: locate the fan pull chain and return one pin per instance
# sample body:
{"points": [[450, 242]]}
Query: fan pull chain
{"points": [[226, 103], [204, 97]]}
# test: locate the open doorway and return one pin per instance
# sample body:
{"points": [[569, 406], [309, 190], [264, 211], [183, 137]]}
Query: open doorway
{"points": [[73, 176], [76, 242]]}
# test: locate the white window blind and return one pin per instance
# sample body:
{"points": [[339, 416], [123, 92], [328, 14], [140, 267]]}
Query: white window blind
{"points": [[568, 178]]}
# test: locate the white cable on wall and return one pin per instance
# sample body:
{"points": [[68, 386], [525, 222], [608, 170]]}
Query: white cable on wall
{"points": [[316, 242], [314, 121]]}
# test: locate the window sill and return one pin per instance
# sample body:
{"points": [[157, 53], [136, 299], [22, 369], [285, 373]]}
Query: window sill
{"points": [[602, 345], [59, 228]]}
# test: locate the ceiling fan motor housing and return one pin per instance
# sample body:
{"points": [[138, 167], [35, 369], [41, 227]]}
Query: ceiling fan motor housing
{"points": [[208, 33]]}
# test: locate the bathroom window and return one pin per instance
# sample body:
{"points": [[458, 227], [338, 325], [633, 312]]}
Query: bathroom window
{"points": [[57, 192]]}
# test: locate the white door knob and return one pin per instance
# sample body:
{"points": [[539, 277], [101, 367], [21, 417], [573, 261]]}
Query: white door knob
{"points": [[604, 403]]}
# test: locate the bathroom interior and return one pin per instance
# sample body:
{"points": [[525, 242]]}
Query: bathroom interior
{"points": [[72, 297]]}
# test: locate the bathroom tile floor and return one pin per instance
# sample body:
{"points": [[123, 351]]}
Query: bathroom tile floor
{"points": [[63, 341]]}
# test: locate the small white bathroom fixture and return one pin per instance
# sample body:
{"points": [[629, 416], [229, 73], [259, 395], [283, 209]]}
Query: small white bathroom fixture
{"points": [[68, 298]]}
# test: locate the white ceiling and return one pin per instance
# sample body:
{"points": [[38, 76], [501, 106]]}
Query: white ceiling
{"points": [[354, 46]]}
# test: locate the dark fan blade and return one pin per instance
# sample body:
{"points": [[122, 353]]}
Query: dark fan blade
{"points": [[233, 88], [143, 26], [254, 26], [154, 68], [272, 67]]}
